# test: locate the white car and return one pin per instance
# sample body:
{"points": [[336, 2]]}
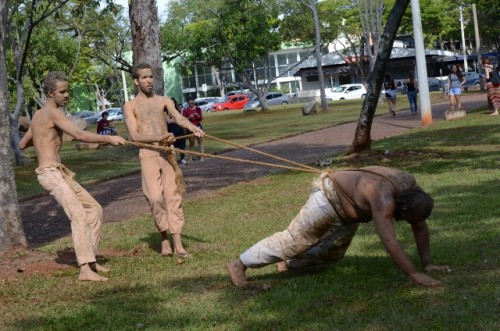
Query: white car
{"points": [[347, 92]]}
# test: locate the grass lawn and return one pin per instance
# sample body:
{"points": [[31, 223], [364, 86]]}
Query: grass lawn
{"points": [[457, 162], [237, 126]]}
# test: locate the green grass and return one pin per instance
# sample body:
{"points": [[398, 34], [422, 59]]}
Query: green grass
{"points": [[457, 162], [236, 126]]}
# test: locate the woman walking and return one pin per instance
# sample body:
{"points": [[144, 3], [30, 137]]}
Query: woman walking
{"points": [[455, 82], [390, 93], [411, 92]]}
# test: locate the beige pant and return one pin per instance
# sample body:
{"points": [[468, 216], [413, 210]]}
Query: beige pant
{"points": [[159, 187], [316, 235], [81, 208]]}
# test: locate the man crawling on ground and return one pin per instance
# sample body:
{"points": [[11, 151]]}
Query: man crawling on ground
{"points": [[326, 224]]}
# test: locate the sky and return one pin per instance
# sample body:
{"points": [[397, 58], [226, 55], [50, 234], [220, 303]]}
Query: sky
{"points": [[162, 7]]}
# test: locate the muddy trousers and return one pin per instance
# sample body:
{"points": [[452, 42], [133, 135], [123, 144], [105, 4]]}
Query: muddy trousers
{"points": [[159, 187], [84, 212], [315, 236]]}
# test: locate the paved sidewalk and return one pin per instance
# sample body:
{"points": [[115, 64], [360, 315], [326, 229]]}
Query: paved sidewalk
{"points": [[44, 220]]}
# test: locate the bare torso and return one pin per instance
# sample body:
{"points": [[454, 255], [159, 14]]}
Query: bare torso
{"points": [[375, 188], [150, 115], [47, 137]]}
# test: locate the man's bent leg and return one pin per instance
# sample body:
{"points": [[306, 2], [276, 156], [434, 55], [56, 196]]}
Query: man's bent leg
{"points": [[331, 248], [173, 201], [306, 229], [152, 189], [52, 181]]}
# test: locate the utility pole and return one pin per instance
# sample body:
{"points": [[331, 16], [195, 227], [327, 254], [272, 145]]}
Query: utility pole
{"points": [[464, 48], [124, 83], [478, 46], [423, 85]]}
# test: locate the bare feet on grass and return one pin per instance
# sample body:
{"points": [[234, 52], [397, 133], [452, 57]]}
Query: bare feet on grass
{"points": [[87, 274], [166, 249], [282, 266], [97, 267], [179, 249], [237, 272]]}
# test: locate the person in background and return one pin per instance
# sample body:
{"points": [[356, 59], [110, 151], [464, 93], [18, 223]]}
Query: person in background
{"points": [[411, 92], [194, 114], [390, 93], [177, 131], [104, 127], [455, 82], [493, 86]]}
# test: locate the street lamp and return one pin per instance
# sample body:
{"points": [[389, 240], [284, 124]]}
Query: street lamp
{"points": [[464, 48]]}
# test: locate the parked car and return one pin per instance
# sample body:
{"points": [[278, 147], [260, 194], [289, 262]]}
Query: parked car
{"points": [[115, 114], [400, 87], [84, 114], [272, 98], [434, 84], [472, 79], [232, 102], [347, 92], [205, 104]]}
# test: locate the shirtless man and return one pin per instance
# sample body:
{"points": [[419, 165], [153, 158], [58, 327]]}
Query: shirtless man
{"points": [[145, 118], [326, 224], [45, 134]]}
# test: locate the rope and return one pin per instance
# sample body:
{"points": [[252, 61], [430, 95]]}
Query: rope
{"points": [[172, 149]]}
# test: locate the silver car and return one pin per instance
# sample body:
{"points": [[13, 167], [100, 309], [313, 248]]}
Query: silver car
{"points": [[272, 98]]}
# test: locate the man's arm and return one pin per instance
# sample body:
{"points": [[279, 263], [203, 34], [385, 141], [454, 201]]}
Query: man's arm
{"points": [[422, 240], [384, 224], [27, 140], [63, 123], [181, 120]]}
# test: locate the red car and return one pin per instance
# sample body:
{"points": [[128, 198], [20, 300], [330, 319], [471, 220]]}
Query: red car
{"points": [[232, 102]]}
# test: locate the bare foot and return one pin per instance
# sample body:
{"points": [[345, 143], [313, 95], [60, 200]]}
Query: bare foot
{"points": [[97, 267], [494, 113], [282, 266], [237, 272], [179, 249], [166, 250], [87, 274]]}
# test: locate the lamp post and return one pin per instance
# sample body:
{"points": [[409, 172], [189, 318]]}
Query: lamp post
{"points": [[464, 48], [423, 85]]}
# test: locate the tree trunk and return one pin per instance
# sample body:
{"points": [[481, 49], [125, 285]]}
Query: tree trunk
{"points": [[145, 29], [11, 229], [362, 136]]}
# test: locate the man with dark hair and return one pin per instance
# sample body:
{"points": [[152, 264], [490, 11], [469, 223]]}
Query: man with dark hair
{"points": [[194, 114], [103, 125], [146, 122], [326, 224], [45, 133]]}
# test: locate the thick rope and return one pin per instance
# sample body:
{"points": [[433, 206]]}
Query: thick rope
{"points": [[300, 165], [172, 149], [179, 178]]}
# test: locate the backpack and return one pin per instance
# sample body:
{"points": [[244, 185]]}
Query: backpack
{"points": [[495, 77]]}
